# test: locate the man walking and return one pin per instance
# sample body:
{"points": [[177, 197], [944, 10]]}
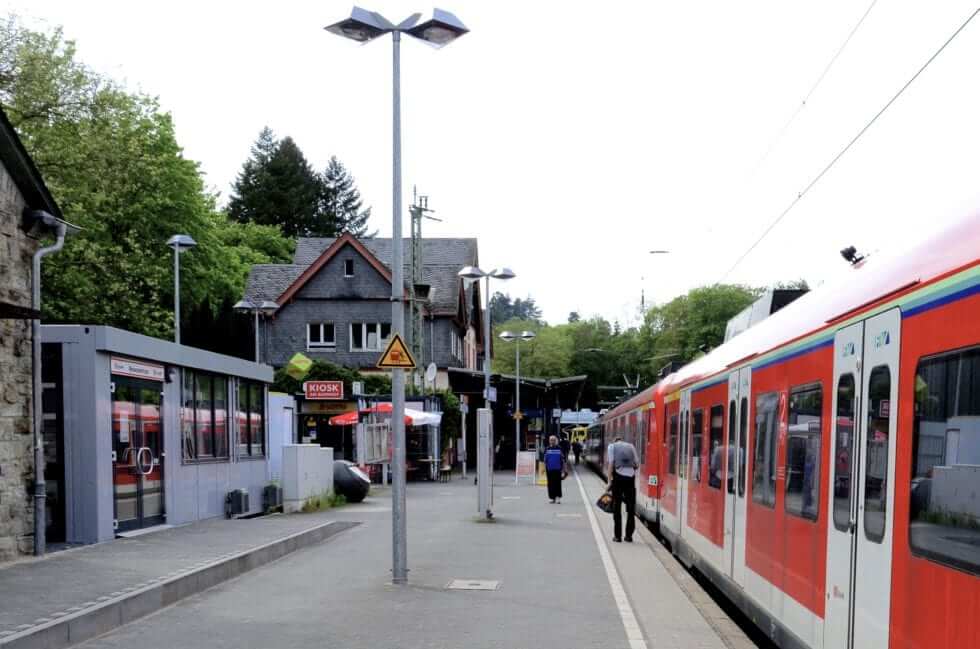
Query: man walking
{"points": [[554, 467], [622, 461]]}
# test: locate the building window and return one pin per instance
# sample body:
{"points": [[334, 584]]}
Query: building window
{"points": [[944, 525], [348, 268], [803, 443], [251, 419], [876, 453], [716, 432], [369, 336], [204, 416], [697, 443], [764, 457], [320, 335]]}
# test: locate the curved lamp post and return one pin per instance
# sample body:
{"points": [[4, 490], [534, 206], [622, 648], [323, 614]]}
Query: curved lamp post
{"points": [[266, 308], [437, 29], [511, 337], [180, 243]]}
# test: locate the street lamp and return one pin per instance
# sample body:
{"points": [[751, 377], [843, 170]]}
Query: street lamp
{"points": [[180, 243], [474, 273], [437, 29], [267, 308], [509, 337]]}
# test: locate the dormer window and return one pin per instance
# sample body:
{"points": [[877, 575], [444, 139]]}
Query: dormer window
{"points": [[348, 268]]}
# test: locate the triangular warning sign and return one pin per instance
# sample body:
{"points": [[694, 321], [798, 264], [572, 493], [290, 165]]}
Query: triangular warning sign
{"points": [[396, 356]]}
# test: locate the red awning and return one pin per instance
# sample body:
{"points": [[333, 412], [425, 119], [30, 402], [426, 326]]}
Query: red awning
{"points": [[412, 417]]}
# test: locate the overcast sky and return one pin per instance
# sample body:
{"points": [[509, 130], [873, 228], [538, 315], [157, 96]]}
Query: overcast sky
{"points": [[571, 138]]}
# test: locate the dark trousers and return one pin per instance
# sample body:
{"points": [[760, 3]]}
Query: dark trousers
{"points": [[623, 491], [554, 484]]}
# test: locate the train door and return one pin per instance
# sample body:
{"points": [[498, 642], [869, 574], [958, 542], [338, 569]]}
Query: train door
{"points": [[683, 461], [739, 390], [861, 493]]}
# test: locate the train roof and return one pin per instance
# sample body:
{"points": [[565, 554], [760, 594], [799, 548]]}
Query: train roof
{"points": [[906, 278]]}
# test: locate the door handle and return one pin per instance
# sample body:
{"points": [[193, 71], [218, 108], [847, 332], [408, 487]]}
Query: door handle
{"points": [[139, 461]]}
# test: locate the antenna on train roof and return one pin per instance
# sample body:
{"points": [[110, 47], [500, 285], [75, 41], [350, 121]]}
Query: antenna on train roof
{"points": [[851, 255]]}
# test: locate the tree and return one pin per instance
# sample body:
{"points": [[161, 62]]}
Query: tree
{"points": [[277, 186], [573, 317], [112, 161], [502, 308], [339, 207]]}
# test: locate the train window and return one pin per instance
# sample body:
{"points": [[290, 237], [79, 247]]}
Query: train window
{"points": [[843, 450], [944, 525], [697, 443], [685, 432], [803, 442], [764, 457], [716, 429], [743, 433], [642, 448], [876, 453], [672, 446], [730, 447]]}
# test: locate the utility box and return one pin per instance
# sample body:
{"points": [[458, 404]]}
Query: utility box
{"points": [[236, 503], [307, 471]]}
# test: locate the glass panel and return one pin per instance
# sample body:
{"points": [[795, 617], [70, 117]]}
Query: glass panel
{"points": [[220, 416], [876, 449], [731, 446], [328, 334], [763, 459], [151, 427], [743, 433], [188, 441], [125, 438], [202, 405], [313, 332], [357, 336], [803, 451], [697, 443], [256, 407], [672, 446], [843, 451], [716, 431], [685, 431], [241, 417], [385, 331], [372, 335], [945, 512]]}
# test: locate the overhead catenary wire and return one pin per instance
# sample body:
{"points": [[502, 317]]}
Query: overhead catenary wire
{"points": [[848, 146], [799, 109]]}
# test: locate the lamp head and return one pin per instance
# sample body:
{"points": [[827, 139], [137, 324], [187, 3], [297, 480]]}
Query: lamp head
{"points": [[507, 335], [438, 28], [268, 308], [471, 272], [361, 26], [244, 306], [181, 242], [502, 273], [528, 335]]}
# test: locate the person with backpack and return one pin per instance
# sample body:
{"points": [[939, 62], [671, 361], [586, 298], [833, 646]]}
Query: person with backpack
{"points": [[621, 458], [554, 467]]}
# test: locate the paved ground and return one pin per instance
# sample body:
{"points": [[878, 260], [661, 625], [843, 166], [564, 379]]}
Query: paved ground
{"points": [[38, 590], [554, 589]]}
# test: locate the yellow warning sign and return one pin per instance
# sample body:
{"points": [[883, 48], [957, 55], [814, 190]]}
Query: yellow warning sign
{"points": [[542, 476], [396, 356]]}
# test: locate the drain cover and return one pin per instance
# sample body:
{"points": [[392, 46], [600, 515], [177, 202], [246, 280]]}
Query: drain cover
{"points": [[473, 584]]}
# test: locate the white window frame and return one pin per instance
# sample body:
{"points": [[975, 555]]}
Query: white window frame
{"points": [[381, 342], [351, 262], [321, 346]]}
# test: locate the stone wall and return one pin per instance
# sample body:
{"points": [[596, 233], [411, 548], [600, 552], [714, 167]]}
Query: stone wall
{"points": [[16, 457]]}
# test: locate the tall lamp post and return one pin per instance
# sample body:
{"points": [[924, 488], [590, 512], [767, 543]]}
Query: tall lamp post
{"points": [[485, 492], [509, 337], [266, 308], [180, 243], [437, 29]]}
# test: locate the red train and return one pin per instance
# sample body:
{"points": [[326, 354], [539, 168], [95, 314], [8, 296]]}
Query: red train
{"points": [[822, 468]]}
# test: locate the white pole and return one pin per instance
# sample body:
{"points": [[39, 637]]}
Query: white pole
{"points": [[177, 294], [399, 528], [517, 420], [256, 335]]}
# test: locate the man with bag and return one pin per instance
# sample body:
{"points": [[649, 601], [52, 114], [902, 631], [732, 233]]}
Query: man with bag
{"points": [[621, 459]]}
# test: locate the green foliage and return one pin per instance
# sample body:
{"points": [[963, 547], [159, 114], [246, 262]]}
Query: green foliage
{"points": [[323, 501], [502, 308], [112, 161], [324, 371], [340, 201]]}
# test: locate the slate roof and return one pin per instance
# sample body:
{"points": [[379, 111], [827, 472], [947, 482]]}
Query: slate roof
{"points": [[21, 168], [442, 259]]}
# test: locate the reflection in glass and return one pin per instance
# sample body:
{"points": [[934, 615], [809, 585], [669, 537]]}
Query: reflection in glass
{"points": [[743, 432], [803, 451], [731, 447], [876, 450], [764, 457], [843, 485], [672, 446], [945, 508], [697, 443]]}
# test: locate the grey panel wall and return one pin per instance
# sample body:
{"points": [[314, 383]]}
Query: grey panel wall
{"points": [[331, 284]]}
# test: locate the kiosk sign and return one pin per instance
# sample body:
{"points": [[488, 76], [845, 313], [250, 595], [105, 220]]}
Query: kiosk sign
{"points": [[332, 390]]}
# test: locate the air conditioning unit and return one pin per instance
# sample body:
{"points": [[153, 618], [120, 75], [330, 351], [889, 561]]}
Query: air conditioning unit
{"points": [[271, 497], [236, 503]]}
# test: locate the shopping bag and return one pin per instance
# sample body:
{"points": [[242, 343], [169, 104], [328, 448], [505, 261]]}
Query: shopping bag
{"points": [[605, 503]]}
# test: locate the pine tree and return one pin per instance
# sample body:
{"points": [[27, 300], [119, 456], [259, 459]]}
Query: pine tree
{"points": [[340, 203], [278, 187]]}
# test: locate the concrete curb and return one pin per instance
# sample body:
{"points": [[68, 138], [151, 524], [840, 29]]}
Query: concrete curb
{"points": [[109, 613]]}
